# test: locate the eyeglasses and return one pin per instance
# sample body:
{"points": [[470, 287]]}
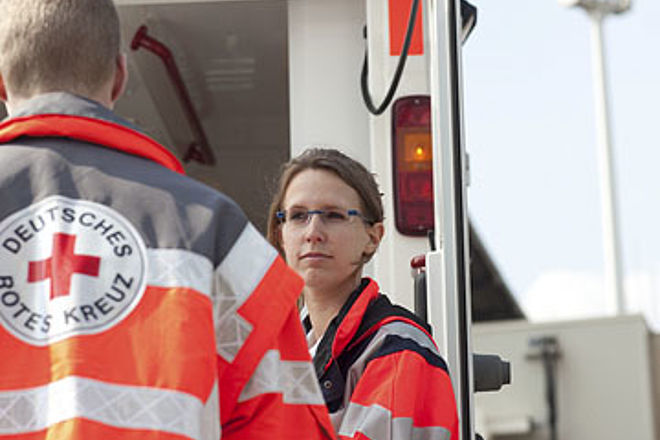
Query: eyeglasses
{"points": [[302, 217]]}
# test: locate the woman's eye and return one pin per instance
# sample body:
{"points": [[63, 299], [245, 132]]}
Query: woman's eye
{"points": [[298, 216], [335, 216]]}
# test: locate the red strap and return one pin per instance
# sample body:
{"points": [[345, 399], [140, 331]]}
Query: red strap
{"points": [[96, 131]]}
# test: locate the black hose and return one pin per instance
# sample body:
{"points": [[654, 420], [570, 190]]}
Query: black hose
{"points": [[366, 95]]}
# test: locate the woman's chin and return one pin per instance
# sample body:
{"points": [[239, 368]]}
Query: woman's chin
{"points": [[328, 281], [318, 279]]}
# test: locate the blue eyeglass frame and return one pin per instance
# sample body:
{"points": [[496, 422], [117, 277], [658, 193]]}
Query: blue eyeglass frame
{"points": [[350, 212]]}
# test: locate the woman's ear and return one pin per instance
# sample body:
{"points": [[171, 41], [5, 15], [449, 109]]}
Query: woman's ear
{"points": [[375, 233]]}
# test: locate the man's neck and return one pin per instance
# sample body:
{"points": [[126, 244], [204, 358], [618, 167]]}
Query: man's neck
{"points": [[14, 102]]}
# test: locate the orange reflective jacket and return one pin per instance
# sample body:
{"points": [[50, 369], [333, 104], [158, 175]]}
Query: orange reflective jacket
{"points": [[136, 303]]}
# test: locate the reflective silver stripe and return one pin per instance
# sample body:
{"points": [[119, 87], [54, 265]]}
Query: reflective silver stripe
{"points": [[211, 416], [377, 423], [236, 278], [179, 268], [246, 263], [121, 406], [295, 380], [405, 330]]}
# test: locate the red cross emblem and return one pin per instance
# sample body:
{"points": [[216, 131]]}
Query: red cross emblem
{"points": [[62, 265]]}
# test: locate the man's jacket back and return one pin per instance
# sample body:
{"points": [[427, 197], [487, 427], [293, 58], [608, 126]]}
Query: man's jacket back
{"points": [[134, 301]]}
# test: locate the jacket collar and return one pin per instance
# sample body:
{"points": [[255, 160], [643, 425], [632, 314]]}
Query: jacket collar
{"points": [[62, 114], [63, 103]]}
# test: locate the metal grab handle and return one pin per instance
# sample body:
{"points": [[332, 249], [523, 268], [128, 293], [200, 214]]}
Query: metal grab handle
{"points": [[199, 149]]}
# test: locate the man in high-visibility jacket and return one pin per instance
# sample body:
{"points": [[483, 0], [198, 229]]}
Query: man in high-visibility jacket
{"points": [[135, 303]]}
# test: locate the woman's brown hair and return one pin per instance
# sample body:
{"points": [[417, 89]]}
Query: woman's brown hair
{"points": [[352, 172]]}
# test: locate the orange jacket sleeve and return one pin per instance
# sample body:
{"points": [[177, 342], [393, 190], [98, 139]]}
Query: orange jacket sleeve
{"points": [[404, 392], [269, 390]]}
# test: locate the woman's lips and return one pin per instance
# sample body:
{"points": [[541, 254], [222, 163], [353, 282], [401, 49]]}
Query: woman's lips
{"points": [[314, 256]]}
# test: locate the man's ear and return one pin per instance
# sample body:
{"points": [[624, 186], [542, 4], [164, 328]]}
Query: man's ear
{"points": [[3, 89], [120, 79]]}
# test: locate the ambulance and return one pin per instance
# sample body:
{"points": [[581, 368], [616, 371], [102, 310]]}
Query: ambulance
{"points": [[237, 87]]}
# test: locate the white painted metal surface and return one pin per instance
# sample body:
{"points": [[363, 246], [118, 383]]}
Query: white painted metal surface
{"points": [[448, 281], [604, 380], [392, 262], [325, 55]]}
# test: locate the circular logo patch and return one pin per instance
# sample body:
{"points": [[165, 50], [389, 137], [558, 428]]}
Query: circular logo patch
{"points": [[68, 267]]}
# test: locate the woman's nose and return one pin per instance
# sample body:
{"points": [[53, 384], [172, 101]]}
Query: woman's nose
{"points": [[315, 229]]}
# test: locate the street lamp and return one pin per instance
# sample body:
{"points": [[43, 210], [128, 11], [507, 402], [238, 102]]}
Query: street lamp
{"points": [[606, 6], [597, 11]]}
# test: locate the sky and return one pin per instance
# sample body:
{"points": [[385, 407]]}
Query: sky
{"points": [[530, 133]]}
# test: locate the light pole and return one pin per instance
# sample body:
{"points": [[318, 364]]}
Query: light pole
{"points": [[597, 11]]}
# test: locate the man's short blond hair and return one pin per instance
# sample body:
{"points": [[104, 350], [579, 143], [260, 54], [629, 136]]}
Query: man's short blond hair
{"points": [[57, 45]]}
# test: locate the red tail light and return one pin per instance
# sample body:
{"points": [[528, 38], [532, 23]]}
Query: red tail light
{"points": [[413, 159]]}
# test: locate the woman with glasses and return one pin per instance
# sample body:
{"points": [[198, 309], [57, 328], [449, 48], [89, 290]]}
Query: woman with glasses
{"points": [[380, 372]]}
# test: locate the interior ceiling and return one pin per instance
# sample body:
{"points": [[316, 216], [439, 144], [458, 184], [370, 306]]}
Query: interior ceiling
{"points": [[231, 55]]}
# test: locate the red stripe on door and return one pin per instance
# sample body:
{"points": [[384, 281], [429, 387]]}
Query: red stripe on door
{"points": [[399, 16]]}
